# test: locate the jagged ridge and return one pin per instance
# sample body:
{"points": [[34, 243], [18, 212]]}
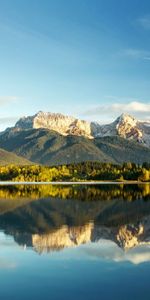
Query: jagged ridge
{"points": [[124, 126]]}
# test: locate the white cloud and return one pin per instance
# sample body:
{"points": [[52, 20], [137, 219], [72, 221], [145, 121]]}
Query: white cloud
{"points": [[144, 22], [132, 107], [108, 250], [136, 53], [8, 99], [109, 111], [8, 120], [4, 264]]}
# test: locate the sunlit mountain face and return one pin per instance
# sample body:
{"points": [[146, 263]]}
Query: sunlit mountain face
{"points": [[58, 240], [55, 139], [125, 125], [111, 222]]}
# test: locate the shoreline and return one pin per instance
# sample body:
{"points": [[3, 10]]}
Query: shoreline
{"points": [[71, 182]]}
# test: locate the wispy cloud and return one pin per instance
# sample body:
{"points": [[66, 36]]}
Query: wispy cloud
{"points": [[8, 120], [136, 54], [108, 250], [110, 111], [144, 22], [4, 264], [8, 99]]}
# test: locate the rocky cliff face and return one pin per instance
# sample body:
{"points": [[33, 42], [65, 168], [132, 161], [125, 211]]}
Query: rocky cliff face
{"points": [[64, 125], [127, 127], [126, 236], [64, 237]]}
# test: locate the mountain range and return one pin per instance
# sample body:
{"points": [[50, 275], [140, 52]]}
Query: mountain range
{"points": [[49, 138], [50, 224]]}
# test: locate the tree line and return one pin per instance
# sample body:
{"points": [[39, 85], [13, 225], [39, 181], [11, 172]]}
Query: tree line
{"points": [[103, 192], [76, 172]]}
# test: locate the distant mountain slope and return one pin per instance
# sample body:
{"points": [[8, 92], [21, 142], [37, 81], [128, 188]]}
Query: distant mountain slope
{"points": [[52, 139], [11, 158], [53, 224], [122, 150], [125, 126], [48, 147]]}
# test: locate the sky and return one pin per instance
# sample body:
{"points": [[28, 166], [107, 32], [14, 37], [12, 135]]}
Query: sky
{"points": [[86, 58]]}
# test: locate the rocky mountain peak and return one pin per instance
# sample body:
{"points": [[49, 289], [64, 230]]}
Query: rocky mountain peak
{"points": [[125, 126], [126, 236], [128, 127], [65, 125], [126, 118]]}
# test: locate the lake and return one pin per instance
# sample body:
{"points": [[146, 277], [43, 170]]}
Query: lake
{"points": [[75, 242]]}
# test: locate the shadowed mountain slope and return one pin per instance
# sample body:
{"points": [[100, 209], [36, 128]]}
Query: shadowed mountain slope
{"points": [[52, 223], [49, 147]]}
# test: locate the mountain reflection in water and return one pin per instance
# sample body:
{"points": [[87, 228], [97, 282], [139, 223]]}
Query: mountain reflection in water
{"points": [[48, 218]]}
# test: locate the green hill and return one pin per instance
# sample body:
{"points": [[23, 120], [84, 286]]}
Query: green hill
{"points": [[11, 158]]}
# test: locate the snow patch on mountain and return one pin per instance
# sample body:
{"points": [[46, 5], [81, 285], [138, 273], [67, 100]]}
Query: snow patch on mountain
{"points": [[127, 127]]}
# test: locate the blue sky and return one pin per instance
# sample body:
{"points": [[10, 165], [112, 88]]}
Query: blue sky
{"points": [[85, 58]]}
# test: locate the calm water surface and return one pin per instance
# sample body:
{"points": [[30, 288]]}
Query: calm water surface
{"points": [[74, 242]]}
